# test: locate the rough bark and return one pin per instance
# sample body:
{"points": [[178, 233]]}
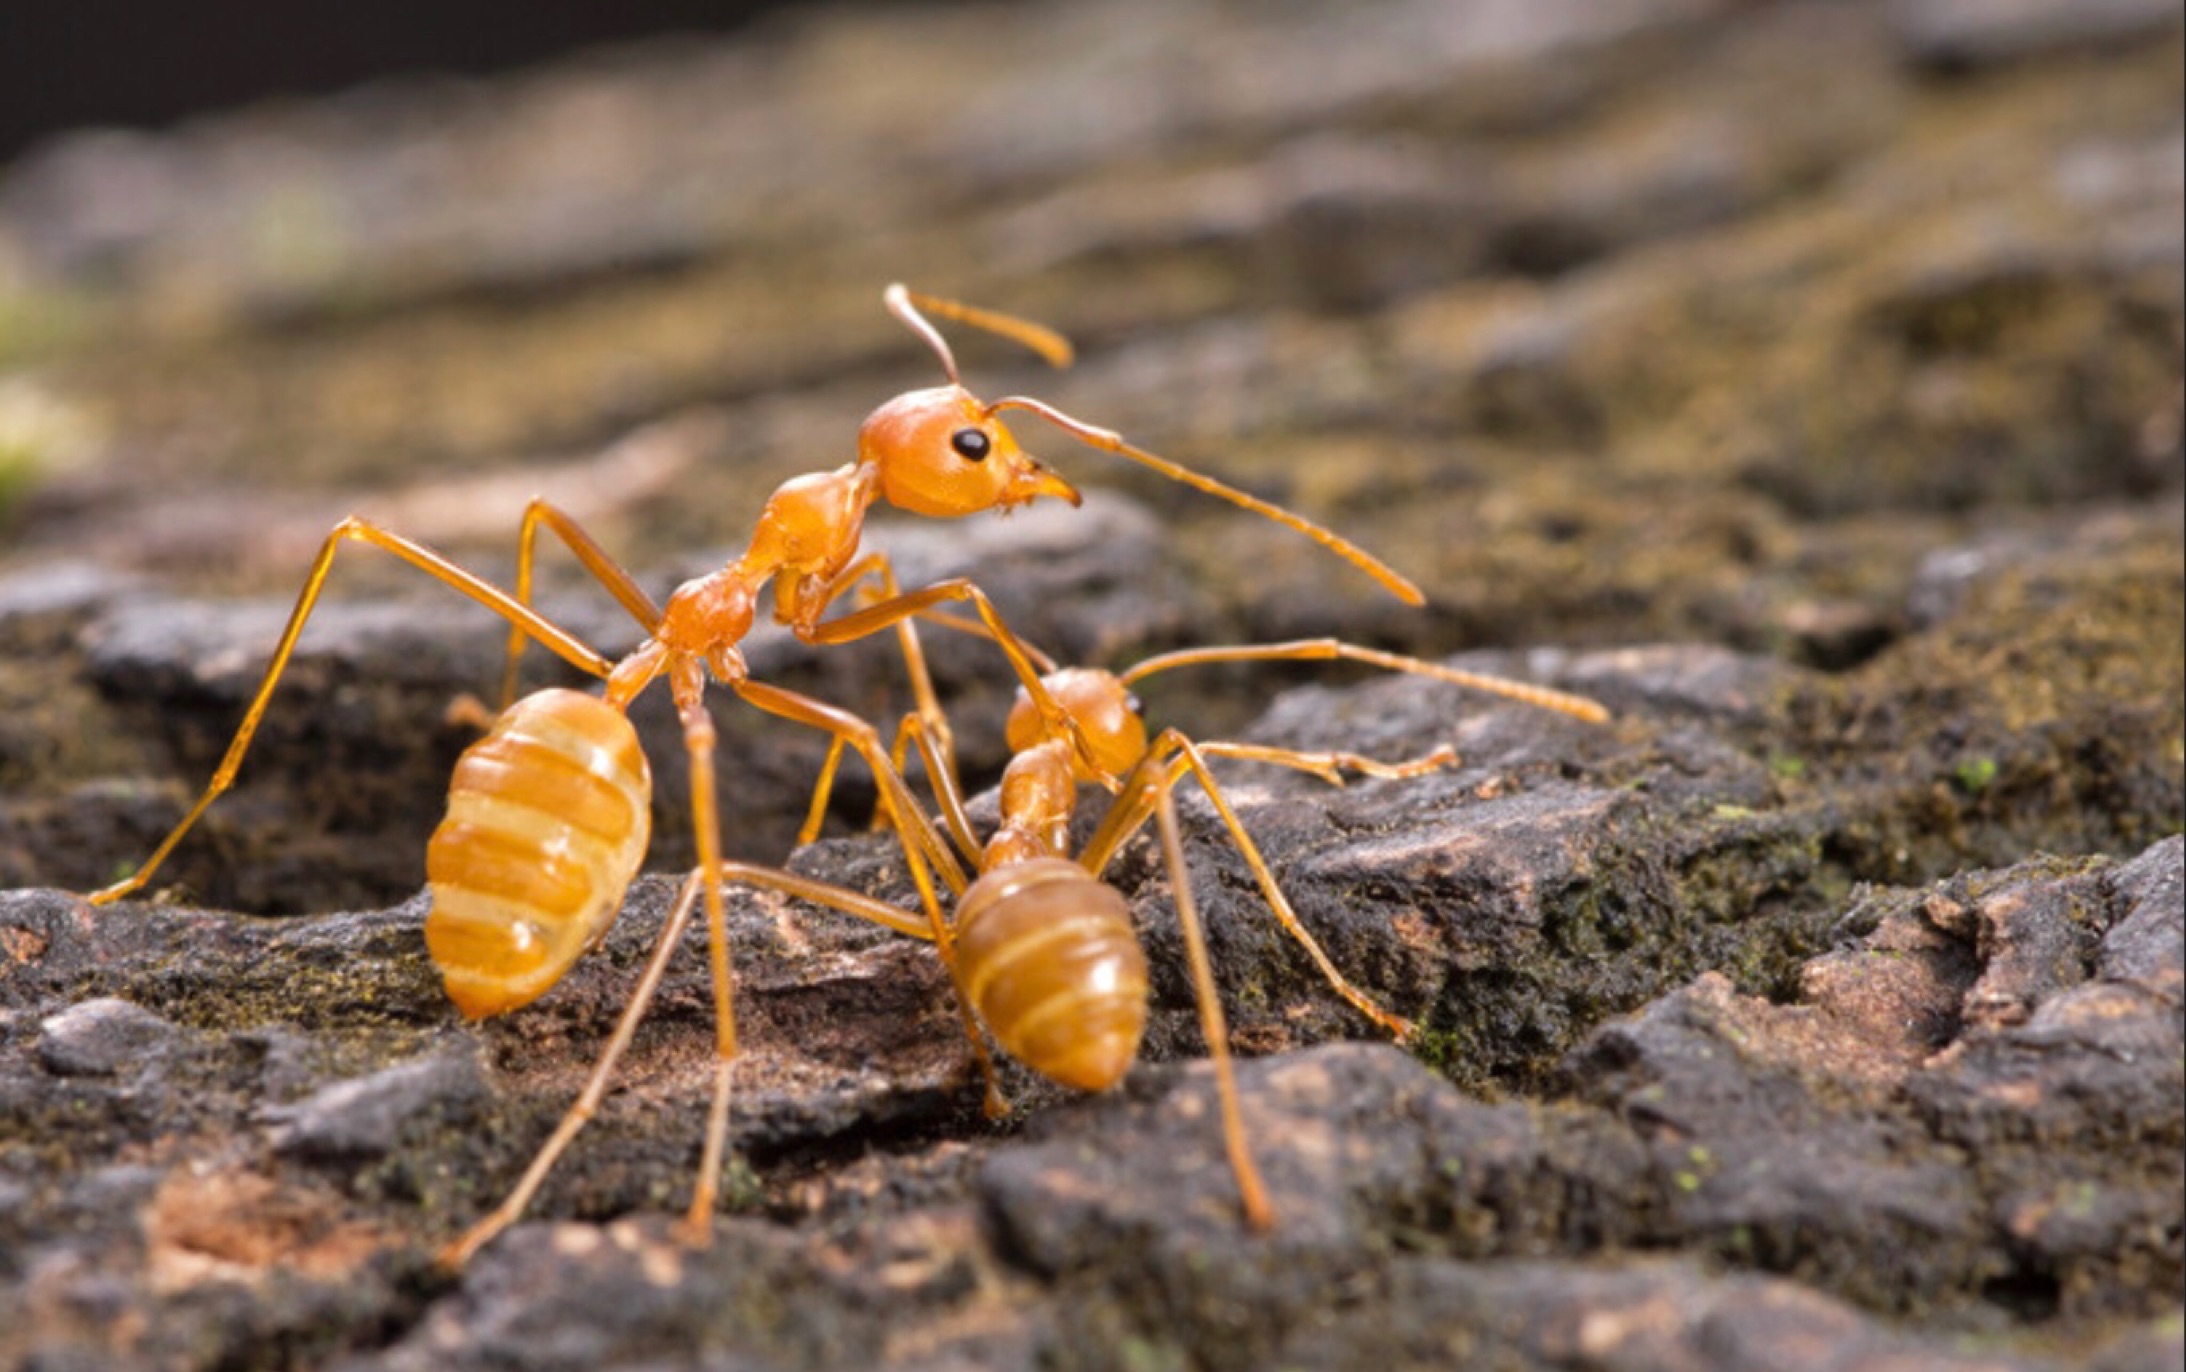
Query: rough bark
{"points": [[1802, 382]]}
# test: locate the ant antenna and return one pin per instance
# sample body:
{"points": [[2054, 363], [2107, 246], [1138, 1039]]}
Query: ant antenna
{"points": [[1107, 440], [907, 304]]}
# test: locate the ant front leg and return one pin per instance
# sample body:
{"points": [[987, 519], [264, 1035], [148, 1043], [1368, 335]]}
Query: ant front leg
{"points": [[924, 848], [948, 792], [1166, 762], [876, 565], [941, 778], [561, 643]]}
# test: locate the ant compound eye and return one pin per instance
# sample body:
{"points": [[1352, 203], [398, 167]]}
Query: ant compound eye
{"points": [[971, 443]]}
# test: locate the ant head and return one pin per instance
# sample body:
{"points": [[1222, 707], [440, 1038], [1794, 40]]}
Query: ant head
{"points": [[931, 489], [941, 453], [1106, 712]]}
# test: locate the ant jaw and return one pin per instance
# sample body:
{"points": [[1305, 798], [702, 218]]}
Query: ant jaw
{"points": [[1035, 481]]}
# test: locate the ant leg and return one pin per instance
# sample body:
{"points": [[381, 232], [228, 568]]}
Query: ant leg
{"points": [[587, 1104], [822, 789], [1330, 649], [919, 841], [910, 732], [699, 740], [1023, 657], [1330, 767], [1258, 1213], [562, 643], [916, 832], [934, 928], [455, 1254], [934, 737], [877, 566], [689, 686], [948, 792], [1154, 777], [928, 703], [596, 560]]}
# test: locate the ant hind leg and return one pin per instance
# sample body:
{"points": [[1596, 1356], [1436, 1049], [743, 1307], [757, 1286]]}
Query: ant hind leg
{"points": [[528, 621]]}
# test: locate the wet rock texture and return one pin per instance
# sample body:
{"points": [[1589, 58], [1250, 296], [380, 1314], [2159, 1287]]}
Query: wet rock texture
{"points": [[1803, 382]]}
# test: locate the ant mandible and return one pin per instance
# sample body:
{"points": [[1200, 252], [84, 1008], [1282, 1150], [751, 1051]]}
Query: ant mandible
{"points": [[548, 815]]}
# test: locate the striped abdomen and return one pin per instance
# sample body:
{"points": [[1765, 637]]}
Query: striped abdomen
{"points": [[548, 817], [1047, 956]]}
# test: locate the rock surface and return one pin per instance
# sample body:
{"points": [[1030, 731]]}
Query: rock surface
{"points": [[1803, 382]]}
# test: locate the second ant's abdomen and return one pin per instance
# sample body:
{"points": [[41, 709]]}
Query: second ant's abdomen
{"points": [[1048, 957], [548, 818]]}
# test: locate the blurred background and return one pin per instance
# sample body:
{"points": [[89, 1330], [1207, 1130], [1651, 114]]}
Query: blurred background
{"points": [[76, 63], [1611, 321]]}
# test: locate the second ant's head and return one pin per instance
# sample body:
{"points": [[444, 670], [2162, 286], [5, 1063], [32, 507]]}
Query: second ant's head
{"points": [[940, 453], [1106, 712]]}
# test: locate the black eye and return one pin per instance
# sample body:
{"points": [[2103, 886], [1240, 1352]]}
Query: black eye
{"points": [[1134, 705], [971, 443]]}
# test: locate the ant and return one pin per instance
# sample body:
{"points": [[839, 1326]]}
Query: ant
{"points": [[548, 815], [1040, 949]]}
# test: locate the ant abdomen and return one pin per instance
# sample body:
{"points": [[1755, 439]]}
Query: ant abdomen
{"points": [[1047, 957], [548, 818]]}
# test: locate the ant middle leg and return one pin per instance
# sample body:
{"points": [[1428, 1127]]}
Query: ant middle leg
{"points": [[528, 621]]}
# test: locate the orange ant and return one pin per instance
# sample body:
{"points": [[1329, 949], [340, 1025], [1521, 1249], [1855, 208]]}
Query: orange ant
{"points": [[548, 815], [1040, 949]]}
